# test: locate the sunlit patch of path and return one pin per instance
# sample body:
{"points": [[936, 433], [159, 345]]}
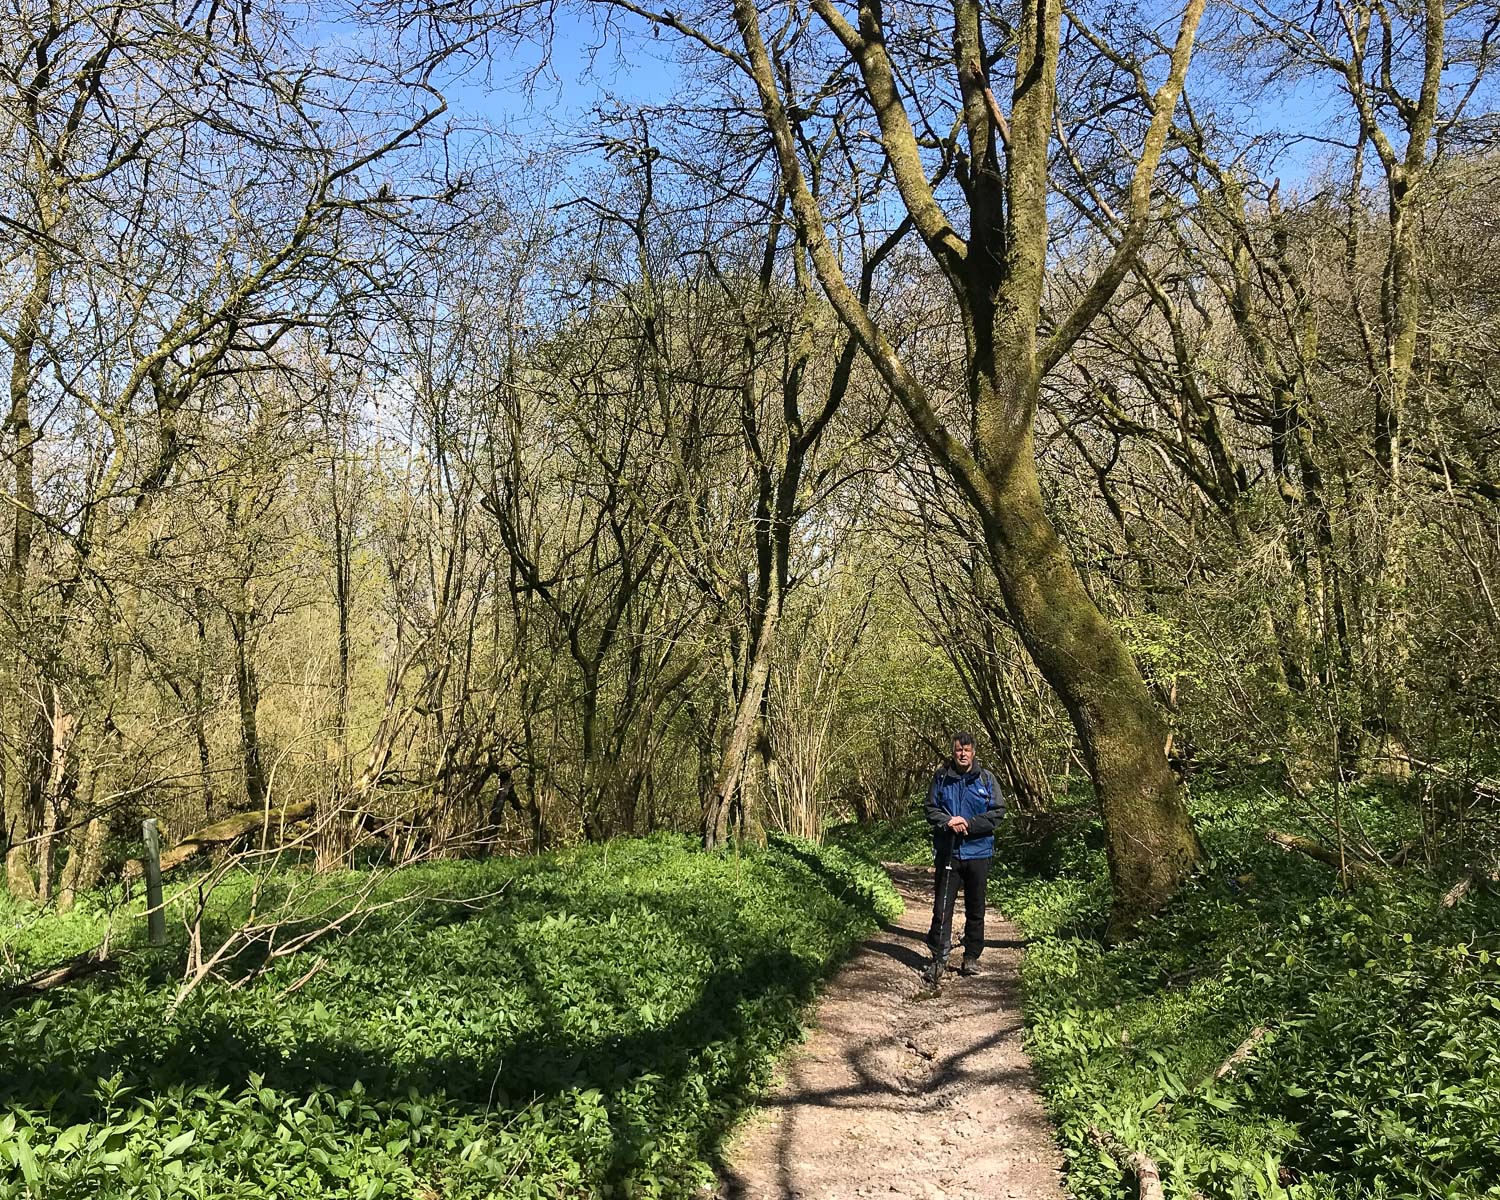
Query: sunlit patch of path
{"points": [[902, 1093]]}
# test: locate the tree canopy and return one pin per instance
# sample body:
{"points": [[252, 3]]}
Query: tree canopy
{"points": [[704, 468]]}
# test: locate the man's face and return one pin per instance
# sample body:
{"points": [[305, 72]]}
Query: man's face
{"points": [[963, 754]]}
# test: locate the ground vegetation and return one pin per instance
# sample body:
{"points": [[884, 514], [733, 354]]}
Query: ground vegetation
{"points": [[583, 1023]]}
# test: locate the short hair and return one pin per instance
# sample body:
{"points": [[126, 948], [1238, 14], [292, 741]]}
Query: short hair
{"points": [[963, 738]]}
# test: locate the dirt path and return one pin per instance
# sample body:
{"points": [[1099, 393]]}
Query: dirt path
{"points": [[900, 1093]]}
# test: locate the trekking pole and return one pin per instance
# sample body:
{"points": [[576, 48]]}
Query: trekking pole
{"points": [[950, 896], [941, 885]]}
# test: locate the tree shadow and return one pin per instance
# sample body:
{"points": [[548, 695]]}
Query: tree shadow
{"points": [[868, 1085], [845, 885], [720, 1042]]}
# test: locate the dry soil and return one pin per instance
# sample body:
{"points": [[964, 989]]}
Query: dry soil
{"points": [[903, 1092]]}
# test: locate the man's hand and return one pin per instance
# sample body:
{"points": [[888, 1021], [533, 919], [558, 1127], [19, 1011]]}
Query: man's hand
{"points": [[959, 826]]}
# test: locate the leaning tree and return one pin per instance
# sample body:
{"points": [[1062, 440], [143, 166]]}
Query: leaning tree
{"points": [[907, 97], [897, 106]]}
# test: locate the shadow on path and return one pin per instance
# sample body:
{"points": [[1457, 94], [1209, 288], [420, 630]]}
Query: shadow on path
{"points": [[903, 1092]]}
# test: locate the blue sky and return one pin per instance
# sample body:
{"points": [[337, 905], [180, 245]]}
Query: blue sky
{"points": [[589, 68], [586, 69]]}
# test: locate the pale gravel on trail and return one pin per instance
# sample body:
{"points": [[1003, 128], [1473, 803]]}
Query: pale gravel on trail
{"points": [[900, 1093]]}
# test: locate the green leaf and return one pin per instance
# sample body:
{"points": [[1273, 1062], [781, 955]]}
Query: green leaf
{"points": [[26, 1160], [178, 1144], [69, 1140]]}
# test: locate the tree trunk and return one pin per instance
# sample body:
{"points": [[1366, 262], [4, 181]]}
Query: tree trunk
{"points": [[1150, 838], [63, 727], [18, 880], [46, 848], [200, 706], [15, 709], [729, 779], [87, 857], [248, 689], [332, 844], [26, 797]]}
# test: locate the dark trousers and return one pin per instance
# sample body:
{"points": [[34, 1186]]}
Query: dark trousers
{"points": [[969, 874]]}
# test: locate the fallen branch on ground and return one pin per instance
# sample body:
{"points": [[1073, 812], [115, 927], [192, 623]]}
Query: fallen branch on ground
{"points": [[223, 833], [1457, 892], [1137, 1162], [289, 932], [90, 962], [301, 979], [1353, 868], [1404, 852], [1239, 1054], [303, 931], [1479, 787]]}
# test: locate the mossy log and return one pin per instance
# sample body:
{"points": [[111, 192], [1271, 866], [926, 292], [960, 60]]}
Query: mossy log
{"points": [[1351, 868], [224, 833]]}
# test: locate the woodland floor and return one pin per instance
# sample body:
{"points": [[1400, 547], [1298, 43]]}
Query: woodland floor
{"points": [[900, 1092]]}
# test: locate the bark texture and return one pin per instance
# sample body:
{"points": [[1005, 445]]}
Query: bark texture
{"points": [[1152, 845]]}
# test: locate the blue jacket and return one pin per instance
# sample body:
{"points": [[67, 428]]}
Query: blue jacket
{"points": [[974, 796]]}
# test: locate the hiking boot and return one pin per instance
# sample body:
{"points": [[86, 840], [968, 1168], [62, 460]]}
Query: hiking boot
{"points": [[971, 967], [932, 973]]}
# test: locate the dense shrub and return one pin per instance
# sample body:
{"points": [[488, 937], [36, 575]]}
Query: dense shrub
{"points": [[589, 1023]]}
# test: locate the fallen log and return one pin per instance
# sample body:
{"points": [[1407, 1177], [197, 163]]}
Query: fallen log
{"points": [[223, 833], [1240, 1053], [1405, 851], [1137, 1162], [1457, 892], [1479, 787], [90, 962], [1315, 850]]}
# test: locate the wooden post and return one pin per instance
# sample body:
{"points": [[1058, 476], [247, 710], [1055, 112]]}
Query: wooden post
{"points": [[156, 915]]}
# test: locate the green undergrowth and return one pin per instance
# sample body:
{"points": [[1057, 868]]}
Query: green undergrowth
{"points": [[1379, 1071], [32, 938], [588, 1023]]}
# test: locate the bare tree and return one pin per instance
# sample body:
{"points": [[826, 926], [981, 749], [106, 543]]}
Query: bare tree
{"points": [[184, 193]]}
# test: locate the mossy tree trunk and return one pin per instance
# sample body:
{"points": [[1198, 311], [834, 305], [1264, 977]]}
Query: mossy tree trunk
{"points": [[1151, 843], [996, 274]]}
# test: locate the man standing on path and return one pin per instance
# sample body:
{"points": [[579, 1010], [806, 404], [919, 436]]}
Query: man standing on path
{"points": [[963, 807]]}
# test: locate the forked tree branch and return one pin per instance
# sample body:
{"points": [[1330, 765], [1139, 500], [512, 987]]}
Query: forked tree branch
{"points": [[1138, 208], [907, 389]]}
